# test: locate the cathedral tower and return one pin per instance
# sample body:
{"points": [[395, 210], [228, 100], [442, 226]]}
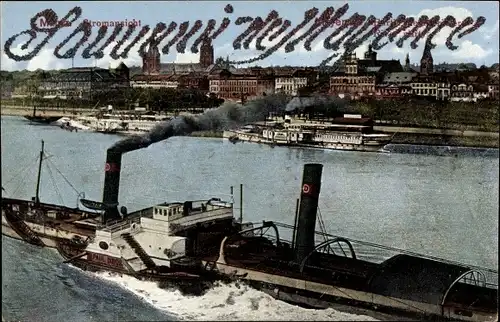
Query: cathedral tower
{"points": [[206, 55], [151, 61]]}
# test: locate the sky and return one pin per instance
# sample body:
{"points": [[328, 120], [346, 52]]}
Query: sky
{"points": [[480, 47]]}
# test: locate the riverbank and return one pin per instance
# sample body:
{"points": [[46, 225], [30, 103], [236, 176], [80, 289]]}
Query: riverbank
{"points": [[446, 140], [402, 134], [21, 111]]}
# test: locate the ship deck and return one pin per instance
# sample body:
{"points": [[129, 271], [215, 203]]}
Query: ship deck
{"points": [[71, 222], [407, 277]]}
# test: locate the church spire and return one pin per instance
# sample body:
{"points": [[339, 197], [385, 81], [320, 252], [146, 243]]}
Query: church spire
{"points": [[407, 63], [427, 62]]}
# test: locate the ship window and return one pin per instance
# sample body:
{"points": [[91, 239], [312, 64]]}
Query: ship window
{"points": [[103, 245]]}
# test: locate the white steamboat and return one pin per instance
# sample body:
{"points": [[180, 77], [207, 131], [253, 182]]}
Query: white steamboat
{"points": [[351, 132]]}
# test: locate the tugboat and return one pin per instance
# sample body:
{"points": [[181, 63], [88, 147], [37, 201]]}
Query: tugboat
{"points": [[192, 244], [163, 243]]}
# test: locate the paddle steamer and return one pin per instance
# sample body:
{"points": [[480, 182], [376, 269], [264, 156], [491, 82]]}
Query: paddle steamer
{"points": [[193, 244], [350, 132]]}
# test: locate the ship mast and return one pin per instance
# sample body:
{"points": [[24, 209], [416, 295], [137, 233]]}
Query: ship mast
{"points": [[37, 197]]}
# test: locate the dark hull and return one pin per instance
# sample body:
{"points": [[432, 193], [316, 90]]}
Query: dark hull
{"points": [[187, 284], [191, 278], [347, 299], [320, 301], [42, 119]]}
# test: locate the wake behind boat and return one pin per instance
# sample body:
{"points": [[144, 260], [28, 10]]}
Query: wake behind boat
{"points": [[67, 123], [192, 244]]}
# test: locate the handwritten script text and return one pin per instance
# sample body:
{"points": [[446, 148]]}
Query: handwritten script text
{"points": [[349, 34]]}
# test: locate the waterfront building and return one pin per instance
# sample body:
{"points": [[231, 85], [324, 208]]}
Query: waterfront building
{"points": [[194, 80], [462, 92], [396, 84], [292, 82], [443, 91], [399, 78], [424, 86], [154, 81], [21, 91], [467, 92], [480, 92], [84, 82], [493, 90], [243, 85], [391, 91], [358, 77]]}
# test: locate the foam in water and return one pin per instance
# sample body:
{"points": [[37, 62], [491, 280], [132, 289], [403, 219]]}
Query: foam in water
{"points": [[225, 302]]}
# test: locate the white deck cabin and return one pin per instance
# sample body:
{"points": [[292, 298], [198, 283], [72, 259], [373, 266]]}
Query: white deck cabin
{"points": [[154, 230]]}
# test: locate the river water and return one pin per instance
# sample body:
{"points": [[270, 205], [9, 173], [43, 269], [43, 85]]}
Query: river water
{"points": [[445, 206]]}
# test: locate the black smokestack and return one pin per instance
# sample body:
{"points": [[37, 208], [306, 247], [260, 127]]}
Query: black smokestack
{"points": [[224, 117], [306, 224], [112, 183]]}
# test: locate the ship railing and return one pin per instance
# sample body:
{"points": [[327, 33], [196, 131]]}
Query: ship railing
{"points": [[377, 253], [115, 226]]}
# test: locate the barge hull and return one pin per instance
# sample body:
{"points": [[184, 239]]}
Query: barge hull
{"points": [[295, 287]]}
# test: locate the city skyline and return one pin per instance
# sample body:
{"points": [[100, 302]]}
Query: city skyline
{"points": [[479, 47]]}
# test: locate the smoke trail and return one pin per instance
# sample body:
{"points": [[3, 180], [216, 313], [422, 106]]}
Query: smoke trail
{"points": [[227, 116], [318, 102]]}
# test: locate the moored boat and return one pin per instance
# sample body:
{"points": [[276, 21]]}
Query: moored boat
{"points": [[41, 119], [127, 124]]}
